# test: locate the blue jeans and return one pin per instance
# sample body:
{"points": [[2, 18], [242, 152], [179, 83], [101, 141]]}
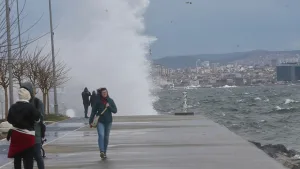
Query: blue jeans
{"points": [[103, 136]]}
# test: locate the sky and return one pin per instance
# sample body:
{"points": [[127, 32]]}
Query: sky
{"points": [[205, 26]]}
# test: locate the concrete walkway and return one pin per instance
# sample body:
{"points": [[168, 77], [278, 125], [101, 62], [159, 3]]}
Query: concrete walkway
{"points": [[158, 142]]}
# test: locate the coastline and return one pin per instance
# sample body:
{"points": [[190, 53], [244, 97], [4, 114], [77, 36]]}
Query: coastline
{"points": [[287, 157]]}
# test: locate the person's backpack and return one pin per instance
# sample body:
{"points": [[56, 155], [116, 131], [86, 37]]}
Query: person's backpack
{"points": [[43, 130], [36, 102], [43, 126]]}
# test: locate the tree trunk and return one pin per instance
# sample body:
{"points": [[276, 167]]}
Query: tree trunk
{"points": [[44, 101], [48, 105], [6, 101], [20, 81]]}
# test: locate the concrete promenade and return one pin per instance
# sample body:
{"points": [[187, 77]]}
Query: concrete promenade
{"points": [[157, 142]]}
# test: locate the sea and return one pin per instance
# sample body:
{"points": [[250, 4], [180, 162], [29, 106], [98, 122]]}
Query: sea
{"points": [[266, 114]]}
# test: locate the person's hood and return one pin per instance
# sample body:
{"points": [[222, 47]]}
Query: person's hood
{"points": [[28, 86], [86, 90], [94, 93]]}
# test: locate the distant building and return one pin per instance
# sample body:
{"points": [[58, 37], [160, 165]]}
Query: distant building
{"points": [[297, 72], [288, 72], [239, 81], [205, 64], [214, 67], [274, 62]]}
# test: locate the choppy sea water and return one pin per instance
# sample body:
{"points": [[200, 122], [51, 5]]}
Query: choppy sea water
{"points": [[268, 114]]}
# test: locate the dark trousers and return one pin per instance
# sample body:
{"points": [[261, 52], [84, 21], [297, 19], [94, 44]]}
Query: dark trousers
{"points": [[86, 109], [27, 157], [38, 156]]}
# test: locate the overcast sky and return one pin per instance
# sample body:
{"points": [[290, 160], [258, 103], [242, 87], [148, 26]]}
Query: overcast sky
{"points": [[208, 26]]}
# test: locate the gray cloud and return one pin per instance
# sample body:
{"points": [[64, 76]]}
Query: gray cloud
{"points": [[208, 26], [217, 26]]}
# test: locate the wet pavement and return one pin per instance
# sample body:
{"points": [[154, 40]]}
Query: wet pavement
{"points": [[158, 142], [53, 132]]}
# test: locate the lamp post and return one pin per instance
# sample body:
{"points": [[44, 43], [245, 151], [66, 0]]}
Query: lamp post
{"points": [[53, 60], [9, 64], [185, 106], [19, 28]]}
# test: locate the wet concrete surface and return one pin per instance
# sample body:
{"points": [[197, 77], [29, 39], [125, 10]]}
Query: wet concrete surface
{"points": [[161, 142], [54, 131]]}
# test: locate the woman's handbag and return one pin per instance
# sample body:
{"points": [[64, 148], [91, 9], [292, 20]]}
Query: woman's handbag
{"points": [[96, 118]]}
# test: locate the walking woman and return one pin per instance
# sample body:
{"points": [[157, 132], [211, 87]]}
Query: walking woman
{"points": [[22, 115], [103, 107]]}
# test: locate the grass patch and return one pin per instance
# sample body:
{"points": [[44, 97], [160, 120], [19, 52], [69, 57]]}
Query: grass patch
{"points": [[55, 118]]}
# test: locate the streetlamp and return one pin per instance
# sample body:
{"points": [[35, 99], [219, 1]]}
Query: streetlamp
{"points": [[19, 28], [53, 60], [9, 64]]}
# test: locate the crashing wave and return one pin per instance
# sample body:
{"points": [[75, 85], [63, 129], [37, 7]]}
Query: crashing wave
{"points": [[227, 86], [288, 101]]}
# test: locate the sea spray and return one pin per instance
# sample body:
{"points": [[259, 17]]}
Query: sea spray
{"points": [[103, 43]]}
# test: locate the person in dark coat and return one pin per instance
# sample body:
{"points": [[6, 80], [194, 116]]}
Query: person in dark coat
{"points": [[39, 106], [104, 106], [86, 100], [93, 98], [22, 115]]}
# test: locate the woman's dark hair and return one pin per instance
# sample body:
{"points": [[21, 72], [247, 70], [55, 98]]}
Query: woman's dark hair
{"points": [[100, 90]]}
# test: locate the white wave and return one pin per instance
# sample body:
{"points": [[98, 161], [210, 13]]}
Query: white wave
{"points": [[278, 108], [240, 101], [227, 86], [297, 156], [288, 101], [257, 98]]}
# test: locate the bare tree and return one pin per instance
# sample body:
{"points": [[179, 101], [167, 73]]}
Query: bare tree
{"points": [[44, 76], [20, 68], [33, 61], [61, 76], [45, 79]]}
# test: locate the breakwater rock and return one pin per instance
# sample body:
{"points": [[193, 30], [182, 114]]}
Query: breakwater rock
{"points": [[289, 158]]}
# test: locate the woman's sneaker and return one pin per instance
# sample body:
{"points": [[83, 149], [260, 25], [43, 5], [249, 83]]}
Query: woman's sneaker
{"points": [[105, 156], [102, 155]]}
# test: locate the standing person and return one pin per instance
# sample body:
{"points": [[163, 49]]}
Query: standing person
{"points": [[39, 106], [93, 98], [22, 115], [86, 100], [104, 106]]}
